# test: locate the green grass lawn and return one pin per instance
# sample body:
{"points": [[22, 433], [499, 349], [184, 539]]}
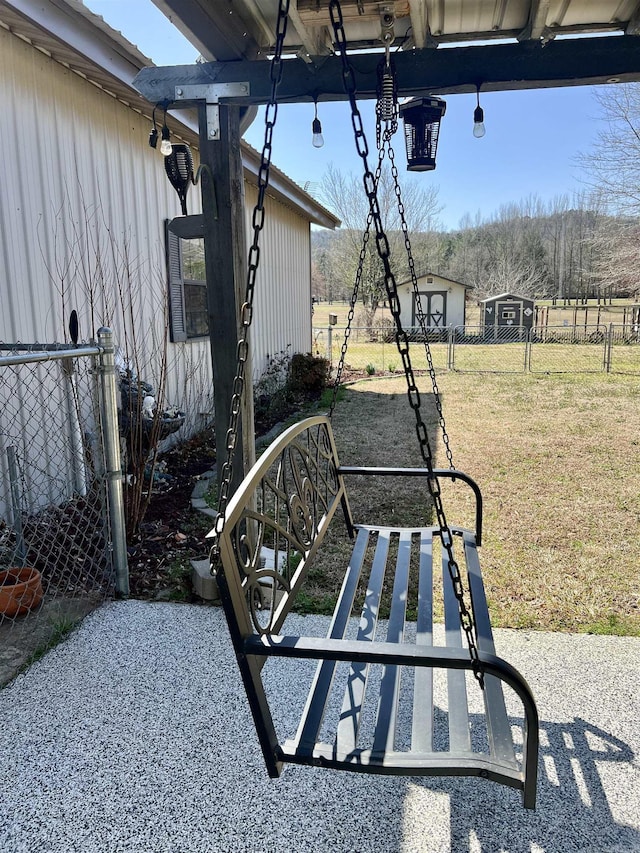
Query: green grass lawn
{"points": [[558, 460]]}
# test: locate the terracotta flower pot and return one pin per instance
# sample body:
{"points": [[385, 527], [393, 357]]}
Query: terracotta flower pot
{"points": [[20, 591]]}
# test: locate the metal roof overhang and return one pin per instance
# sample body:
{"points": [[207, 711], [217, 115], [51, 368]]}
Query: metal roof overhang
{"points": [[542, 43], [245, 29]]}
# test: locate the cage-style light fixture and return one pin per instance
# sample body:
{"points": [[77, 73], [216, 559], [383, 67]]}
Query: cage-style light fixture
{"points": [[421, 118]]}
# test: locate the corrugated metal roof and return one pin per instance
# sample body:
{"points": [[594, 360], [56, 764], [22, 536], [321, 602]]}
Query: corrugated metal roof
{"points": [[233, 29], [439, 46]]}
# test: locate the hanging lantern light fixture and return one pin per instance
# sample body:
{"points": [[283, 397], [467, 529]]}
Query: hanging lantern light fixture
{"points": [[421, 118]]}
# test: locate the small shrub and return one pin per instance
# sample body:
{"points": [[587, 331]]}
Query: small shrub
{"points": [[308, 374], [286, 385], [274, 375], [271, 397], [370, 369], [392, 367], [385, 328], [364, 319]]}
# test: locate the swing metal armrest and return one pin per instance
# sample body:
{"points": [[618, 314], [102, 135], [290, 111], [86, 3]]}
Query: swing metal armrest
{"points": [[449, 473], [397, 654]]}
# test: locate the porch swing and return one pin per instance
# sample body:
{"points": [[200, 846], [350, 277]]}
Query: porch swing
{"points": [[386, 698]]}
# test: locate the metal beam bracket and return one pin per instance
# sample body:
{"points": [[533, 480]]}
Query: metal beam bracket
{"points": [[212, 93], [387, 21]]}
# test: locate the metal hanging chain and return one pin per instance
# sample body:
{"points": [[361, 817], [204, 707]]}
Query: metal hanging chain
{"points": [[354, 295], [387, 115], [246, 312], [420, 311], [402, 341], [386, 126]]}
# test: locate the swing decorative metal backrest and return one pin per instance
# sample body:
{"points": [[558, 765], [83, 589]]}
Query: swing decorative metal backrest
{"points": [[290, 497]]}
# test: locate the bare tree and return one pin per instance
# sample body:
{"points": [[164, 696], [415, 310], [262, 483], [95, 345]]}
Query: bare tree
{"points": [[94, 271], [613, 173], [346, 196], [612, 167], [616, 249], [510, 275]]}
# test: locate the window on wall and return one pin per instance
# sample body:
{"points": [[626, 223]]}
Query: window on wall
{"points": [[187, 287]]}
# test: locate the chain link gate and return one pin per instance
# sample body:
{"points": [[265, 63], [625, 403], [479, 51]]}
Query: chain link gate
{"points": [[613, 348], [62, 547], [623, 350]]}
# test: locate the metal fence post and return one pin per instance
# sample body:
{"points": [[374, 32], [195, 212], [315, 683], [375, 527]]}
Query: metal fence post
{"points": [[21, 551], [607, 349], [109, 412]]}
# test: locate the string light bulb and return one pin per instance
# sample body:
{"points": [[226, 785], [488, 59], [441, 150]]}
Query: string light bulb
{"points": [[165, 145], [317, 139], [479, 129]]}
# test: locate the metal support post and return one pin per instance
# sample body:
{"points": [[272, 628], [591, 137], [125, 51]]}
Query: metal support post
{"points": [[608, 347], [12, 462], [111, 439], [75, 430]]}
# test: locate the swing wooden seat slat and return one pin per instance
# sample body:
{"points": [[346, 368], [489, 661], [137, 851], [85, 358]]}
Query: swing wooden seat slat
{"points": [[391, 699]]}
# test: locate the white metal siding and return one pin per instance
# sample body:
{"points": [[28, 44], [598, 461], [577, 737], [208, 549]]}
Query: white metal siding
{"points": [[283, 284], [81, 185], [76, 162]]}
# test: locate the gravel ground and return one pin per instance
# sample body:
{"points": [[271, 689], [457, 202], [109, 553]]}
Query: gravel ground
{"points": [[133, 736]]}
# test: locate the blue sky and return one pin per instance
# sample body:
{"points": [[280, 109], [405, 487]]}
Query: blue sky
{"points": [[530, 148]]}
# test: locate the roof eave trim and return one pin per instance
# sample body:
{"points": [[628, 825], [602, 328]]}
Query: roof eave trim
{"points": [[86, 34], [288, 191]]}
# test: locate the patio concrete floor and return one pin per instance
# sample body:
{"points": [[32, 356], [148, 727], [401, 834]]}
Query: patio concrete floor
{"points": [[134, 736]]}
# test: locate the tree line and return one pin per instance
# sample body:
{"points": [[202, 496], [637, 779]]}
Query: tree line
{"points": [[572, 247]]}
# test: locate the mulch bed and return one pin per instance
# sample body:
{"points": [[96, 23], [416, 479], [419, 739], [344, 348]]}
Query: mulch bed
{"points": [[172, 531]]}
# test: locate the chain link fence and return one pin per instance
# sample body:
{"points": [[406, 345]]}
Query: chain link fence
{"points": [[612, 348], [568, 349], [57, 483], [495, 349]]}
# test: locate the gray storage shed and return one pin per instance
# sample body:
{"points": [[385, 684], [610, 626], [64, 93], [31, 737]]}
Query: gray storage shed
{"points": [[507, 310]]}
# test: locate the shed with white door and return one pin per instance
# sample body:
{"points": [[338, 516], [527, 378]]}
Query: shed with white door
{"points": [[442, 300]]}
